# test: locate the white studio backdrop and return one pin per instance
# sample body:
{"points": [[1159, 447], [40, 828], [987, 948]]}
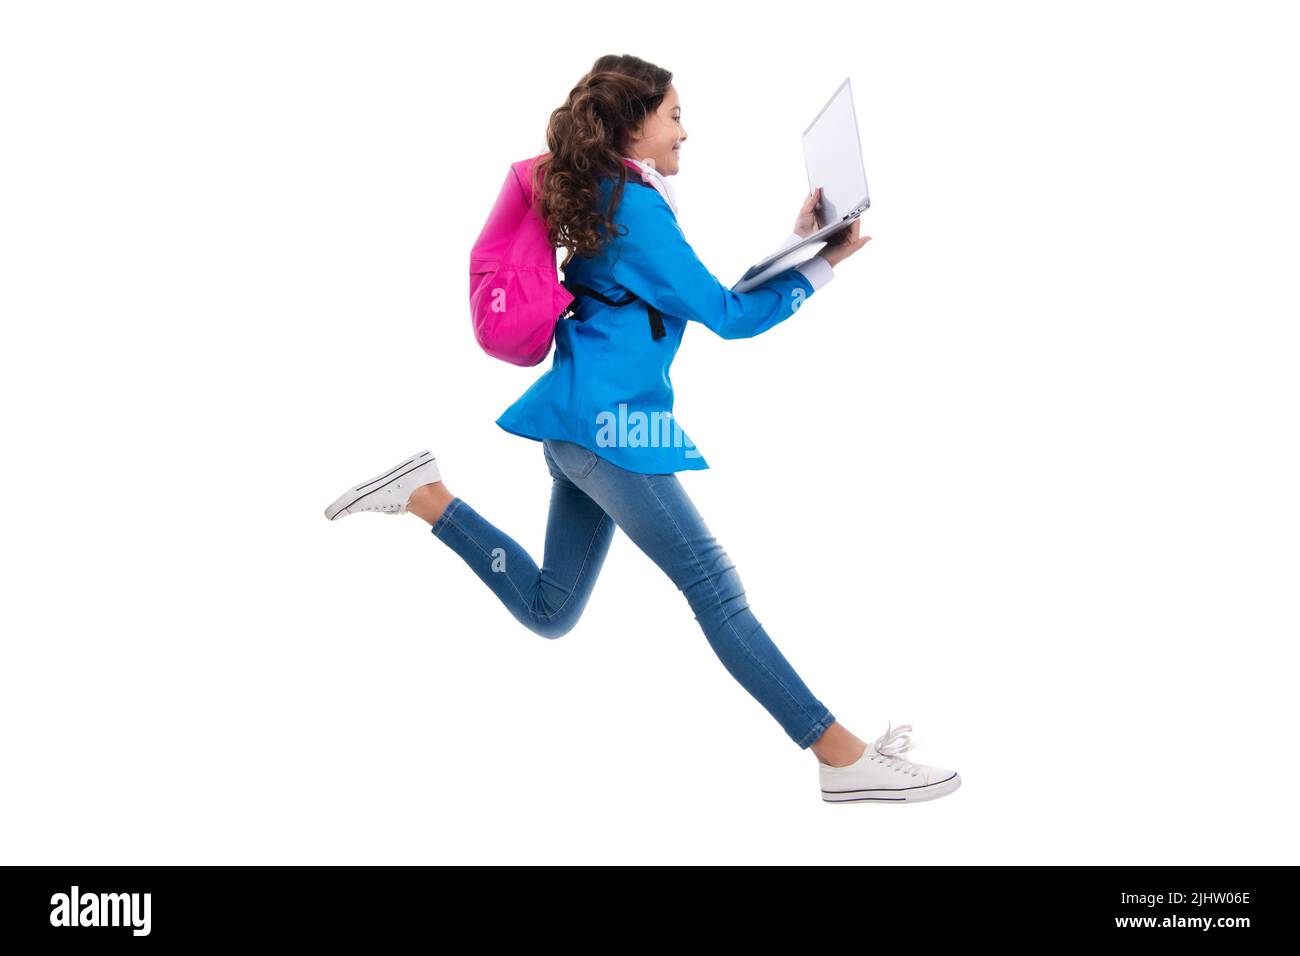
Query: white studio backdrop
{"points": [[1022, 476]]}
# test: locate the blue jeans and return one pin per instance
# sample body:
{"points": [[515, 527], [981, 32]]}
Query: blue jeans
{"points": [[589, 496]]}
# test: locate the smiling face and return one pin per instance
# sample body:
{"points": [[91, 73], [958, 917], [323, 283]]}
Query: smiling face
{"points": [[660, 136]]}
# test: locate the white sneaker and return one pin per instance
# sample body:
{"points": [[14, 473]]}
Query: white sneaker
{"points": [[881, 776], [390, 491]]}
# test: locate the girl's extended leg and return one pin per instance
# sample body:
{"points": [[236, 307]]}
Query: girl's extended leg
{"points": [[657, 515], [550, 599]]}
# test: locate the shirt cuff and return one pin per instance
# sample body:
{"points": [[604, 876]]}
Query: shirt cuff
{"points": [[817, 271]]}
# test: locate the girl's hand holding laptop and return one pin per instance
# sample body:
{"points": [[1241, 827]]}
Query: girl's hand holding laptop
{"points": [[843, 244], [807, 222]]}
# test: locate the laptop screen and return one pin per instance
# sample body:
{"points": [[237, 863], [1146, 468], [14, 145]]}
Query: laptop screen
{"points": [[832, 153]]}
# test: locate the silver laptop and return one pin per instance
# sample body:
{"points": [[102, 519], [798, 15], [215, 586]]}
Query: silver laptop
{"points": [[832, 153]]}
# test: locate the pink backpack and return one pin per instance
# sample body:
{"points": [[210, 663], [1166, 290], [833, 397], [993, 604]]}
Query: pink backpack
{"points": [[515, 294]]}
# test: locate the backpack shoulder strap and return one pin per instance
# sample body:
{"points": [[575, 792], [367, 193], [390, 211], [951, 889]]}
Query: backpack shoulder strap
{"points": [[657, 330]]}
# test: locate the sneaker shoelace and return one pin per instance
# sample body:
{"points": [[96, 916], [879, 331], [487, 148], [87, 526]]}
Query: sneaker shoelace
{"points": [[390, 507], [894, 742]]}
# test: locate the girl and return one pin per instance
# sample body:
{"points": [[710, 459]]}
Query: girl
{"points": [[603, 413]]}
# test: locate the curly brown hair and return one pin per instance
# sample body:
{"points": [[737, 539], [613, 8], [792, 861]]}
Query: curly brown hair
{"points": [[586, 137]]}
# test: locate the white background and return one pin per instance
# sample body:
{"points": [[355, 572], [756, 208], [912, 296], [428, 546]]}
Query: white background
{"points": [[1023, 475]]}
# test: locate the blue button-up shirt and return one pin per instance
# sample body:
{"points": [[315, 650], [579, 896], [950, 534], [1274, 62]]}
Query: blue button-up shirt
{"points": [[608, 387]]}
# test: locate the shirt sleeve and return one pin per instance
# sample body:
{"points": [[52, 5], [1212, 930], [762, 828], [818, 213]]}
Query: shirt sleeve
{"points": [[654, 261], [817, 271]]}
